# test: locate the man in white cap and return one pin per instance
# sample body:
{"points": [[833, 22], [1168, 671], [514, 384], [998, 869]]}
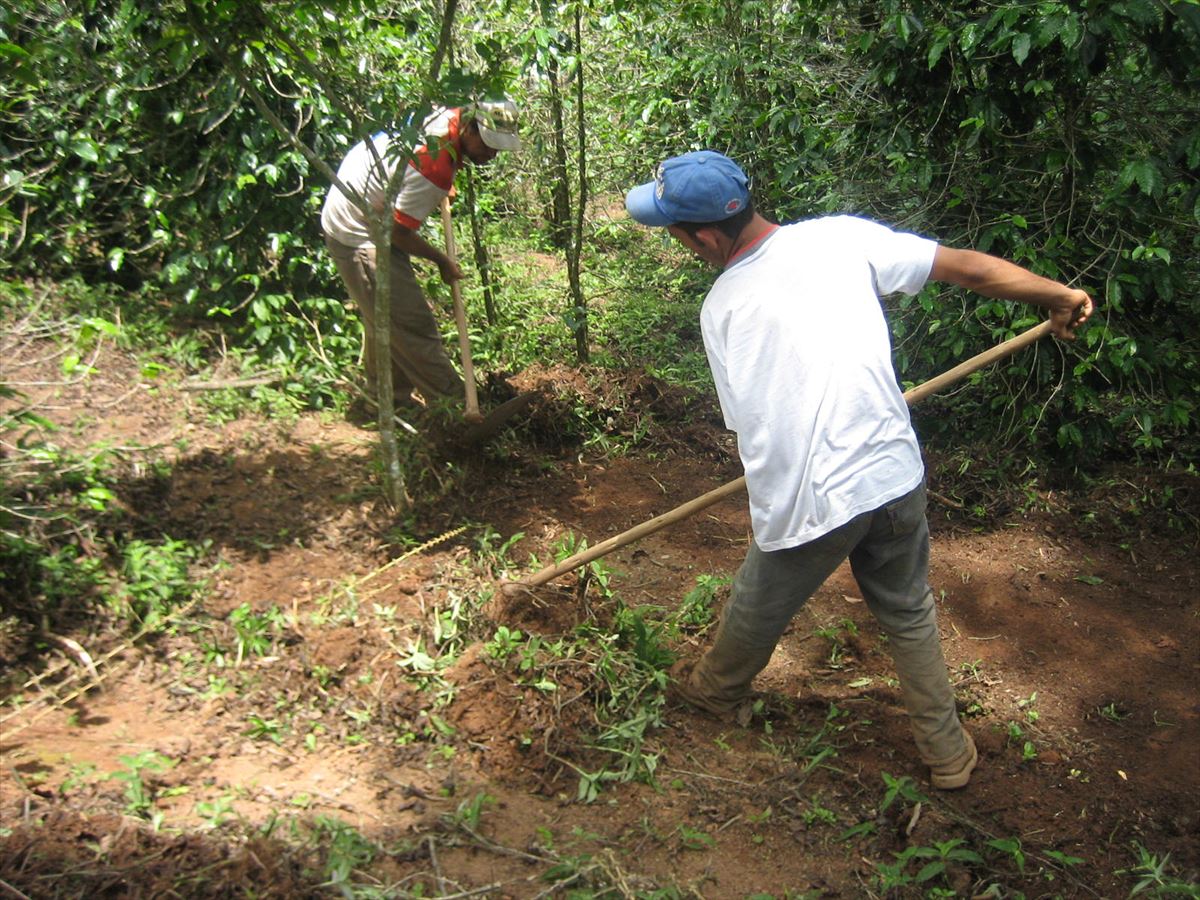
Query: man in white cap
{"points": [[452, 136], [801, 356]]}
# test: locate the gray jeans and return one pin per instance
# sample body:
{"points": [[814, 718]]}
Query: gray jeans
{"points": [[888, 549], [419, 357]]}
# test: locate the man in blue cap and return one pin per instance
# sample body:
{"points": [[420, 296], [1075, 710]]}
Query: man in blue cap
{"points": [[801, 356]]}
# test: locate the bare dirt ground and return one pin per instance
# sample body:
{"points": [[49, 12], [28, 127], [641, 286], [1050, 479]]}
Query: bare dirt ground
{"points": [[345, 761]]}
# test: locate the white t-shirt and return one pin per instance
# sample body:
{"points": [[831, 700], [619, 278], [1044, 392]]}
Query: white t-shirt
{"points": [[428, 175], [801, 356]]}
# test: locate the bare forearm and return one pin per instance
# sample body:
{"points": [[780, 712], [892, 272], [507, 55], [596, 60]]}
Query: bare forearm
{"points": [[406, 240], [995, 277]]}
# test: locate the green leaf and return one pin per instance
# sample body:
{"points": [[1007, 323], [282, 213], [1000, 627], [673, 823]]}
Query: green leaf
{"points": [[1145, 174], [969, 39], [86, 149], [92, 325], [936, 49], [12, 50], [930, 870], [859, 830], [98, 498], [1071, 31], [1020, 48], [1062, 858]]}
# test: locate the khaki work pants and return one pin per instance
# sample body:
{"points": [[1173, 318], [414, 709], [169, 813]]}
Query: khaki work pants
{"points": [[419, 357], [888, 550]]}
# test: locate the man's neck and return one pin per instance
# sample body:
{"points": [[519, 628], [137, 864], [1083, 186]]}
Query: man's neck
{"points": [[750, 236]]}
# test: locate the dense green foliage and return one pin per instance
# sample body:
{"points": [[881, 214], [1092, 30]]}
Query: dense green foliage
{"points": [[132, 157], [1009, 128], [1019, 127], [1062, 136]]}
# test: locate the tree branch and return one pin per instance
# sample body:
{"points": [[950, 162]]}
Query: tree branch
{"points": [[444, 39]]}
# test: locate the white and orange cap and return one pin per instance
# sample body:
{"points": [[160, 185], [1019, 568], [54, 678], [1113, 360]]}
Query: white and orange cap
{"points": [[497, 121]]}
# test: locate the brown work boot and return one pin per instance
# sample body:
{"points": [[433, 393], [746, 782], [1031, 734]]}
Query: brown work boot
{"points": [[683, 688], [956, 771]]}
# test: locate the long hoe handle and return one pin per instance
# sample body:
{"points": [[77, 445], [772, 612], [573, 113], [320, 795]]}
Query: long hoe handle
{"points": [[460, 318], [915, 395]]}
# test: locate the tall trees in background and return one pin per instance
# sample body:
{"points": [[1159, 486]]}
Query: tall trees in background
{"points": [[1063, 135], [557, 66]]}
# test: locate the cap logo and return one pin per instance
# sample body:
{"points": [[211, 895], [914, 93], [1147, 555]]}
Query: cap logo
{"points": [[733, 206], [659, 187], [502, 119]]}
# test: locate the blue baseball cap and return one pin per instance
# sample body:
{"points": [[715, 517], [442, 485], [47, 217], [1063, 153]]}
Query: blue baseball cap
{"points": [[704, 186]]}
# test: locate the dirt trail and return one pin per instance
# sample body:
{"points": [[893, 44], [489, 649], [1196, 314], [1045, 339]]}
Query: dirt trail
{"points": [[1076, 660]]}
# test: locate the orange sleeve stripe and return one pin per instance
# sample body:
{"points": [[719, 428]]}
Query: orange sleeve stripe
{"points": [[437, 167], [406, 220], [439, 164]]}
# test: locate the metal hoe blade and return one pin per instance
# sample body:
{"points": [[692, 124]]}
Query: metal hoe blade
{"points": [[498, 417]]}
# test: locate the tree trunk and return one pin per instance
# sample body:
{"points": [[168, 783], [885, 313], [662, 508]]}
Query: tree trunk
{"points": [[560, 190], [393, 477], [483, 261], [575, 249], [444, 39]]}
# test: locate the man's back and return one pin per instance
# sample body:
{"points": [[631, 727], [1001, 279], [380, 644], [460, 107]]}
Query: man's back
{"points": [[801, 357], [427, 179]]}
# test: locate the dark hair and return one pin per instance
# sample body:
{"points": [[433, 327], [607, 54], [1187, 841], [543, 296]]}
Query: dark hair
{"points": [[730, 227]]}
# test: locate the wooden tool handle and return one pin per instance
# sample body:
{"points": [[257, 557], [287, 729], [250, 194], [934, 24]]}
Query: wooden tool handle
{"points": [[915, 395], [628, 537], [460, 318], [975, 363]]}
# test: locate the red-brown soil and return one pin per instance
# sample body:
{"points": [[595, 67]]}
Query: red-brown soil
{"points": [[1084, 635]]}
